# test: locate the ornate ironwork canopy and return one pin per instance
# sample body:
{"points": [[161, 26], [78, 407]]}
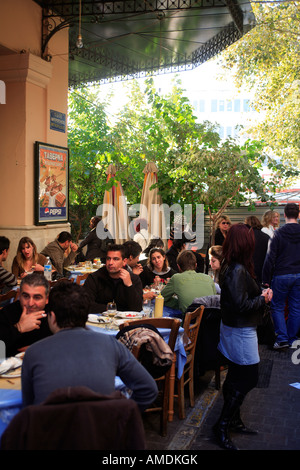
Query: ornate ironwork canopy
{"points": [[135, 38]]}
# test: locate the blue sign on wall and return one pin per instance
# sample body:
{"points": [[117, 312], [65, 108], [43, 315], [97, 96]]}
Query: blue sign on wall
{"points": [[57, 121]]}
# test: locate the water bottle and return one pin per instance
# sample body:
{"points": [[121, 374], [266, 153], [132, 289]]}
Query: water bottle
{"points": [[48, 270]]}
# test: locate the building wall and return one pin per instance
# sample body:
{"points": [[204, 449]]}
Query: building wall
{"points": [[33, 86]]}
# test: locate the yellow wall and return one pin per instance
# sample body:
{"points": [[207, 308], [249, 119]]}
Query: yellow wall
{"points": [[33, 87]]}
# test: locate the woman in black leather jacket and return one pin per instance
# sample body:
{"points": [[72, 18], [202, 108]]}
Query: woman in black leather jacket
{"points": [[242, 303]]}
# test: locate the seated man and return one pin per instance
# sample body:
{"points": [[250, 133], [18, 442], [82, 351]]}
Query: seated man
{"points": [[7, 279], [24, 322], [78, 356], [114, 282], [132, 253], [187, 284], [56, 251]]}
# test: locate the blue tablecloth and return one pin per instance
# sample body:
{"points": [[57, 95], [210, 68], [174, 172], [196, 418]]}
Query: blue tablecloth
{"points": [[10, 405]]}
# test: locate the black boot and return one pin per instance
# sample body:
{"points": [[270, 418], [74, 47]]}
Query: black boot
{"points": [[238, 426], [222, 426]]}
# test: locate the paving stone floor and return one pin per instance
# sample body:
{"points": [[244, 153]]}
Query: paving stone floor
{"points": [[273, 408]]}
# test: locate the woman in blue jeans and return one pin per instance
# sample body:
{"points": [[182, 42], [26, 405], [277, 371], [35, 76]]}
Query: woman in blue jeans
{"points": [[242, 303]]}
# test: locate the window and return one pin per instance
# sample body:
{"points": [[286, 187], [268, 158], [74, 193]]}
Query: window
{"points": [[237, 106], [201, 106], [246, 106], [229, 105], [221, 105], [228, 131], [214, 106]]}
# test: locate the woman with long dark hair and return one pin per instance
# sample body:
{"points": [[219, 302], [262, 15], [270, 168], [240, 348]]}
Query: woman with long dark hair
{"points": [[242, 303], [157, 268]]}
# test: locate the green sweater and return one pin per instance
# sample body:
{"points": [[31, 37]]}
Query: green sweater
{"points": [[186, 287]]}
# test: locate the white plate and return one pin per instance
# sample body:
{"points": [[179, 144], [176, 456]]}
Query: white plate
{"points": [[12, 374], [93, 318], [129, 315]]}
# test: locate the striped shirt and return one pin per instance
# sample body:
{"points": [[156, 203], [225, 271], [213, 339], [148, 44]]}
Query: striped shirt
{"points": [[7, 279]]}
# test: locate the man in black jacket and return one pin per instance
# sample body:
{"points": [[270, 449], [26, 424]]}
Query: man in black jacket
{"points": [[24, 322], [114, 282], [282, 270]]}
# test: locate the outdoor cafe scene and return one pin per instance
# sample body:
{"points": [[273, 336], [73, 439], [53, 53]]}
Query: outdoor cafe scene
{"points": [[132, 318]]}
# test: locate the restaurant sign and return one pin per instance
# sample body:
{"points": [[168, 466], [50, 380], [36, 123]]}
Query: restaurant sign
{"points": [[57, 121], [51, 183]]}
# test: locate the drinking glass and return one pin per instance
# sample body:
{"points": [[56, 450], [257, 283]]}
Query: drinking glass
{"points": [[111, 309], [88, 265], [147, 307]]}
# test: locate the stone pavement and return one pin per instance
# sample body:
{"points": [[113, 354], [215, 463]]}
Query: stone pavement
{"points": [[273, 408]]}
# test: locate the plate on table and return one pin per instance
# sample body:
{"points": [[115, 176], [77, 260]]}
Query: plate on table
{"points": [[93, 318], [12, 374], [129, 315], [11, 367]]}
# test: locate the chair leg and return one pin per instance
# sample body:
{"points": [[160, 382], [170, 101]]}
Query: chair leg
{"points": [[191, 387], [180, 391], [164, 413]]}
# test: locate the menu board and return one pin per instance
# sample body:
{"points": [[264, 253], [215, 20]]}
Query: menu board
{"points": [[52, 183]]}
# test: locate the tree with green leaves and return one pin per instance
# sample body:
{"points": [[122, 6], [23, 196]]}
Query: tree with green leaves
{"points": [[195, 165], [89, 145], [267, 61]]}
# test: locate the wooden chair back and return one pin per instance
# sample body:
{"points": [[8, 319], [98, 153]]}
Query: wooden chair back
{"points": [[166, 382], [10, 295], [81, 277]]}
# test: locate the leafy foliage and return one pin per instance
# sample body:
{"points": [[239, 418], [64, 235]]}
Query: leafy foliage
{"points": [[266, 60], [195, 166]]}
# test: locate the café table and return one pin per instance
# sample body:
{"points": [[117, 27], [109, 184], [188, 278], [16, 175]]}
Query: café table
{"points": [[10, 400], [76, 270], [179, 356]]}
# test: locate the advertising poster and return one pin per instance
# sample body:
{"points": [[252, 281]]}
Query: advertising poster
{"points": [[52, 181]]}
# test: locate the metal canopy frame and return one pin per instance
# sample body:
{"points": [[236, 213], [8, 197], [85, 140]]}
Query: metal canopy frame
{"points": [[137, 38]]}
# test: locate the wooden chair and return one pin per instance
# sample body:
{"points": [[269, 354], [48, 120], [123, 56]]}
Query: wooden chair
{"points": [[191, 329], [81, 277], [166, 389], [10, 295]]}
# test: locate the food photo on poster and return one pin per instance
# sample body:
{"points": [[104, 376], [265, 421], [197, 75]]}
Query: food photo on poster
{"points": [[51, 178]]}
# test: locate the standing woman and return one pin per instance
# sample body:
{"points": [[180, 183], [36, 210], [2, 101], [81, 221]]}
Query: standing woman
{"points": [[223, 224], [215, 258], [27, 259], [270, 222], [242, 304]]}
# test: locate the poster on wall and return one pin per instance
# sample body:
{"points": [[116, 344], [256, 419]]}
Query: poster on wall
{"points": [[52, 183]]}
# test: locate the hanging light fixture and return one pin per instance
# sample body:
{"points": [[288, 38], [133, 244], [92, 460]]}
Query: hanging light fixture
{"points": [[79, 42]]}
